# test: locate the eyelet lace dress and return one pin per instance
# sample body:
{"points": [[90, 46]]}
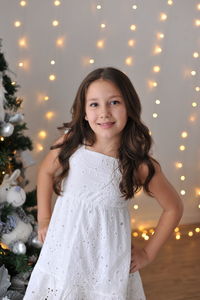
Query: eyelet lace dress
{"points": [[87, 251]]}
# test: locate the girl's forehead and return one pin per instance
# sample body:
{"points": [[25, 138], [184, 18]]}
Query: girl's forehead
{"points": [[102, 87]]}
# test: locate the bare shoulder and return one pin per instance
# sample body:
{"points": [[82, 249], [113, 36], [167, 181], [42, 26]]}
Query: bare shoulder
{"points": [[50, 163], [143, 170]]}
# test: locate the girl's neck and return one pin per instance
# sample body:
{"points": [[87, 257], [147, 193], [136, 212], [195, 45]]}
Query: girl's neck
{"points": [[110, 149]]}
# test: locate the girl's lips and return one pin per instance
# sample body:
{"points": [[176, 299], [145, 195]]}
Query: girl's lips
{"points": [[106, 125]]}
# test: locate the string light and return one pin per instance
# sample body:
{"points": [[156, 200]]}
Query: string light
{"points": [[91, 61], [52, 77], [53, 62], [55, 23], [56, 3], [182, 178], [133, 27], [60, 42], [194, 104], [134, 7], [197, 88], [135, 206], [157, 49], [197, 22], [131, 43], [103, 25], [160, 35], [49, 115], [22, 42], [179, 165], [193, 73], [155, 115], [183, 192], [23, 3], [170, 2], [98, 6], [184, 134], [21, 64], [100, 44], [195, 54], [163, 17], [198, 6], [156, 69], [40, 147], [182, 147], [157, 101], [13, 83], [17, 23], [129, 61], [46, 98], [190, 233], [2, 138], [42, 134]]}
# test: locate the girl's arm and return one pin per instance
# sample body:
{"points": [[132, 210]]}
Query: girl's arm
{"points": [[46, 171], [172, 206]]}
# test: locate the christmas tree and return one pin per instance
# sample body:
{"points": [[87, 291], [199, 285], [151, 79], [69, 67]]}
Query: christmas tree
{"points": [[19, 246]]}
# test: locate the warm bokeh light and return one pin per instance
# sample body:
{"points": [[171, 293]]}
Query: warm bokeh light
{"points": [[17, 23], [195, 54], [42, 134], [21, 64], [23, 3], [135, 206], [53, 62], [57, 3], [134, 6], [40, 147], [182, 178], [129, 61], [157, 49], [91, 61], [157, 101], [103, 25], [55, 23], [100, 44], [182, 192], [60, 42], [182, 147], [160, 35], [23, 43], [184, 134], [98, 6], [133, 27], [49, 115], [179, 165], [156, 69], [52, 77], [194, 104], [197, 22], [190, 233], [155, 115], [163, 17], [131, 43], [170, 2], [193, 73], [46, 98]]}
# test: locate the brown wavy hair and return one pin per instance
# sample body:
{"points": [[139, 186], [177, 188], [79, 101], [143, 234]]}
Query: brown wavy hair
{"points": [[136, 140]]}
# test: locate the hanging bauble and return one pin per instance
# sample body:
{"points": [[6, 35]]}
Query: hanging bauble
{"points": [[36, 243], [6, 129], [19, 248], [17, 118]]}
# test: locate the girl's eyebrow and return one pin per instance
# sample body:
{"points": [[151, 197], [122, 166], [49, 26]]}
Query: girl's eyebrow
{"points": [[95, 99]]}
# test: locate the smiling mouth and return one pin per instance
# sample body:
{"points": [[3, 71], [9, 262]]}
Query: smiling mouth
{"points": [[106, 124]]}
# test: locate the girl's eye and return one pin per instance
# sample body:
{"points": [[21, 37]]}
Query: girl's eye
{"points": [[115, 102], [93, 104]]}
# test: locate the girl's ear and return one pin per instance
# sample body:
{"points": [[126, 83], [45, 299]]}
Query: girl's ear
{"points": [[86, 118]]}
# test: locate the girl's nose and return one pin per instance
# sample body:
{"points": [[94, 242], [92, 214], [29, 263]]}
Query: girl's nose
{"points": [[104, 112]]}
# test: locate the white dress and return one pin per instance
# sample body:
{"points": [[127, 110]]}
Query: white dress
{"points": [[87, 251]]}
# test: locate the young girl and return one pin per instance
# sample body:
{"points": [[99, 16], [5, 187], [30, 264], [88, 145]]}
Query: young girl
{"points": [[95, 168]]}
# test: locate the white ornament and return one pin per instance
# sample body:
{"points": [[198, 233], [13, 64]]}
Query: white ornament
{"points": [[6, 129], [19, 248]]}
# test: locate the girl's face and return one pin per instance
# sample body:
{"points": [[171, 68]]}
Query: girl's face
{"points": [[105, 110]]}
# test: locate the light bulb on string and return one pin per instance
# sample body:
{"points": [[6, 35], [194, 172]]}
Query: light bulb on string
{"points": [[133, 27], [17, 24], [23, 3], [156, 69], [57, 3], [197, 23], [163, 17], [103, 25], [194, 104], [195, 54], [131, 43], [129, 61], [184, 134], [157, 50], [52, 77]]}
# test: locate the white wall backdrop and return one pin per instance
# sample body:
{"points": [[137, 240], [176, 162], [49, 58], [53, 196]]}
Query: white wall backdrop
{"points": [[164, 33]]}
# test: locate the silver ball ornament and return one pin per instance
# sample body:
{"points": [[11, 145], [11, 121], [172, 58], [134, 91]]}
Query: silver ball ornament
{"points": [[19, 248], [36, 243], [6, 129]]}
